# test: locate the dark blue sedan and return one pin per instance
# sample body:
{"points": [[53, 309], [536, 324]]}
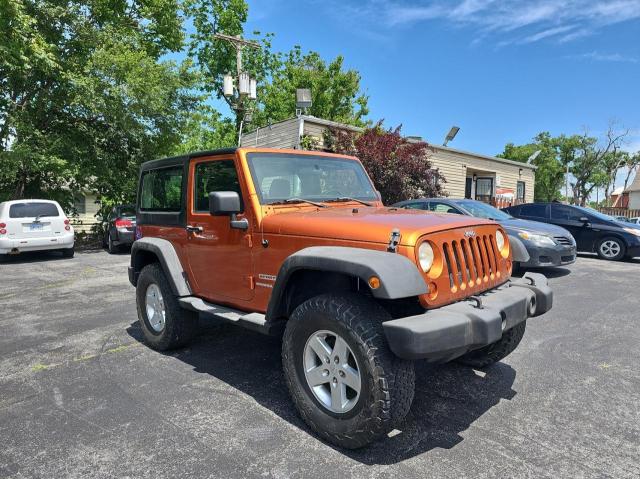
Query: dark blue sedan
{"points": [[546, 244]]}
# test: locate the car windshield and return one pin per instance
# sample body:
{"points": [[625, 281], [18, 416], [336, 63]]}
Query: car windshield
{"points": [[279, 177], [483, 210]]}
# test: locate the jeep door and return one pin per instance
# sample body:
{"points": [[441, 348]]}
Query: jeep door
{"points": [[219, 256]]}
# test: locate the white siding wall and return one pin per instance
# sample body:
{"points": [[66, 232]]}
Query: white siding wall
{"points": [[280, 135], [452, 166], [84, 221], [634, 200]]}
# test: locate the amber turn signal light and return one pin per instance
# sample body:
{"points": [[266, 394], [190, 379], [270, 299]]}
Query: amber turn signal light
{"points": [[374, 282]]}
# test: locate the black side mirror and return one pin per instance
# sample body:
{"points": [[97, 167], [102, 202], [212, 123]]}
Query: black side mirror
{"points": [[223, 203]]}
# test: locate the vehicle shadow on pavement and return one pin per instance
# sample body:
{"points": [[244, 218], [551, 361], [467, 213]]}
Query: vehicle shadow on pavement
{"points": [[33, 257], [634, 260], [448, 398], [553, 272]]}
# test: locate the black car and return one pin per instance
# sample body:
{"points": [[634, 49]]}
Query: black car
{"points": [[593, 231], [120, 227], [546, 245]]}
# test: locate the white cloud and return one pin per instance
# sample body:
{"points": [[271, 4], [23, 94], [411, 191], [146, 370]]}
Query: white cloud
{"points": [[515, 21], [607, 57]]}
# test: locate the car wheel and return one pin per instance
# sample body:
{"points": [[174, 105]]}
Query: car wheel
{"points": [[68, 252], [611, 248], [165, 325], [344, 380], [111, 247], [483, 357]]}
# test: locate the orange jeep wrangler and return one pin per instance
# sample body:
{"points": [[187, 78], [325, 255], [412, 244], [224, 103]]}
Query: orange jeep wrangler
{"points": [[299, 243]]}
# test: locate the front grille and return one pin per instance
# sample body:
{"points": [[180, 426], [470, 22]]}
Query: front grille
{"points": [[563, 240], [470, 261]]}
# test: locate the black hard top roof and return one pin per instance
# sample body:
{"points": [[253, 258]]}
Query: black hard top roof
{"points": [[176, 160]]}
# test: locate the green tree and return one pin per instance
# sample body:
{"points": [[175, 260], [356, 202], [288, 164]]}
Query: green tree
{"points": [[85, 96], [549, 172], [335, 91]]}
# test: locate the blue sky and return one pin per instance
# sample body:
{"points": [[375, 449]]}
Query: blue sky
{"points": [[501, 70]]}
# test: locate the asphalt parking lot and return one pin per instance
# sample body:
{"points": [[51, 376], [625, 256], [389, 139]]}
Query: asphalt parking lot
{"points": [[81, 397]]}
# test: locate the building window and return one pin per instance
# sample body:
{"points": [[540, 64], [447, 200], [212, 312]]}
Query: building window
{"points": [[484, 189], [520, 191], [80, 204]]}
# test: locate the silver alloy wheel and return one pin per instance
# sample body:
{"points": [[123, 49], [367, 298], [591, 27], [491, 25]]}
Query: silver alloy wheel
{"points": [[610, 248], [332, 372], [154, 305]]}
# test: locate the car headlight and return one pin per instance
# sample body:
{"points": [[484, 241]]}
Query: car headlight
{"points": [[541, 240], [633, 231], [502, 245], [499, 240], [425, 256]]}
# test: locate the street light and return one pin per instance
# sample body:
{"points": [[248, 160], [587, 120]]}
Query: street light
{"points": [[533, 156], [303, 99], [451, 135]]}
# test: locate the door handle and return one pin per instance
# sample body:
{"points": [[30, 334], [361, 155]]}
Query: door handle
{"points": [[194, 229]]}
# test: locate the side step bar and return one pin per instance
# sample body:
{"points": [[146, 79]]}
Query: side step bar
{"points": [[254, 321]]}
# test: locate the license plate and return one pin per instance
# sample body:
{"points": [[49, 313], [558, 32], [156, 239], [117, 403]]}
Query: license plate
{"points": [[35, 226]]}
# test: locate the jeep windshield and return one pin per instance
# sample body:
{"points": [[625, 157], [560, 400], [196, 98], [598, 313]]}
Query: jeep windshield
{"points": [[281, 178]]}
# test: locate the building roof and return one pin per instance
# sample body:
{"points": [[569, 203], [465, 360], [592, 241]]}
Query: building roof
{"points": [[335, 124], [635, 186], [486, 157]]}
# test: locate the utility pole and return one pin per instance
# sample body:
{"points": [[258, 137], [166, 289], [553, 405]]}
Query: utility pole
{"points": [[566, 186], [237, 90]]}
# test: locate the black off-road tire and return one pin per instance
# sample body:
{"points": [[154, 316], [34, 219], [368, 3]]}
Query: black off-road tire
{"points": [[622, 248], [180, 326], [388, 382], [484, 357], [68, 252]]}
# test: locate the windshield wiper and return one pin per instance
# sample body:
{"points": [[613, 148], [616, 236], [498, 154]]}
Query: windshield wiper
{"points": [[298, 200], [348, 198]]}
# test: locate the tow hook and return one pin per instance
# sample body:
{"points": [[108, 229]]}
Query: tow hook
{"points": [[394, 240], [478, 301]]}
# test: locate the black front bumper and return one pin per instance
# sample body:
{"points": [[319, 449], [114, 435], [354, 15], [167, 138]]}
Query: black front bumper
{"points": [[445, 333], [542, 256]]}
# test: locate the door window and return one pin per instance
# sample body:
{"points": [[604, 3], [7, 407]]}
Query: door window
{"points": [[438, 207], [416, 206], [219, 175], [520, 189], [535, 211], [162, 190], [566, 213], [484, 189]]}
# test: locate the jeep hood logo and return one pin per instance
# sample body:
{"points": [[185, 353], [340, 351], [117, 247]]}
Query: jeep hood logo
{"points": [[469, 234]]}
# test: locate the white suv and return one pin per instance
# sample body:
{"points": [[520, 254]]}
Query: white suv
{"points": [[34, 225]]}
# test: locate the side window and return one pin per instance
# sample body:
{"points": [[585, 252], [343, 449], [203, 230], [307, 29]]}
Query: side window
{"points": [[218, 175], [162, 190], [562, 212], [443, 208], [416, 206], [534, 211]]}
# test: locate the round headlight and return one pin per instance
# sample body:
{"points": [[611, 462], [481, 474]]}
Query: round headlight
{"points": [[499, 240], [425, 256]]}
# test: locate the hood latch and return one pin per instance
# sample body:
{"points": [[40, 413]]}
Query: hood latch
{"points": [[394, 240]]}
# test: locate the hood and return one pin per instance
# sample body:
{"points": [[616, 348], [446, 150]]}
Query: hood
{"points": [[361, 223], [533, 227]]}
